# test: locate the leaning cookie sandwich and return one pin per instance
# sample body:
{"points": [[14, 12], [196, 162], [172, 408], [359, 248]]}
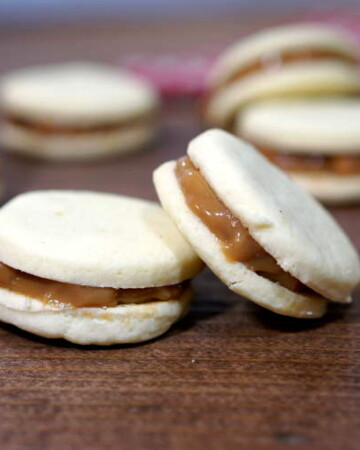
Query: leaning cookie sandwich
{"points": [[92, 268], [262, 235]]}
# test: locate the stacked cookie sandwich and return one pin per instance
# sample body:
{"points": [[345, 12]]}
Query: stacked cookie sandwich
{"points": [[293, 92]]}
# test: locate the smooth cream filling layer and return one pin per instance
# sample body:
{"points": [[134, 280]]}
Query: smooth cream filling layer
{"points": [[77, 296], [236, 242]]}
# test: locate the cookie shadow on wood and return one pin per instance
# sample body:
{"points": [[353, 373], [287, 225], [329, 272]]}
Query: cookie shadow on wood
{"points": [[269, 320]]}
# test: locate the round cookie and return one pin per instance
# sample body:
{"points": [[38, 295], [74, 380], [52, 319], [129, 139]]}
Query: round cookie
{"points": [[296, 80], [329, 188], [285, 61], [316, 141], [306, 125], [76, 111], [287, 224], [295, 39], [81, 246]]}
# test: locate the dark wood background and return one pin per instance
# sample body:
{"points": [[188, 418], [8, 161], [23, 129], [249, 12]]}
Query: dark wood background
{"points": [[230, 375]]}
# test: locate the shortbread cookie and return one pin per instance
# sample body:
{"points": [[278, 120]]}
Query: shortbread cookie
{"points": [[92, 268], [316, 141], [295, 60], [76, 111], [261, 234]]}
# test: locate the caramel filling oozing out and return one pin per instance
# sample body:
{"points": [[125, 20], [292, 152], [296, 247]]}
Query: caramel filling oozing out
{"points": [[278, 59], [236, 242], [337, 164], [77, 296], [48, 128]]}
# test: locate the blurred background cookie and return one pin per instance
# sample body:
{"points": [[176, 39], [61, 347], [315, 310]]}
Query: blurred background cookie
{"points": [[316, 141], [76, 111], [293, 60], [293, 92]]}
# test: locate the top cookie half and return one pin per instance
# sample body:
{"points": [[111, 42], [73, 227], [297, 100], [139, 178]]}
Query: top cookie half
{"points": [[94, 239], [76, 94]]}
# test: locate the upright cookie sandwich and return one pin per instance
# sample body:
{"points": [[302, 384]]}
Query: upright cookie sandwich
{"points": [[295, 60], [76, 111], [92, 268], [316, 141], [261, 234]]}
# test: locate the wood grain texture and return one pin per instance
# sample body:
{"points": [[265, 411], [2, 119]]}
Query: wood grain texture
{"points": [[229, 376]]}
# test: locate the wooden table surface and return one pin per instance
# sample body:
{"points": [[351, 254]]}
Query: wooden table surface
{"points": [[229, 376]]}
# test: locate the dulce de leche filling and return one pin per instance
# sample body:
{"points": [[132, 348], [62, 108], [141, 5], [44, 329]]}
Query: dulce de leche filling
{"points": [[337, 164], [77, 296], [43, 127], [236, 242], [278, 59]]}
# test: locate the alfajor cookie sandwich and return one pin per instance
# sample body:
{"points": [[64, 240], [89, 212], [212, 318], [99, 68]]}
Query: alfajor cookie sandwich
{"points": [[316, 141], [92, 268], [260, 233], [76, 111], [293, 60]]}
